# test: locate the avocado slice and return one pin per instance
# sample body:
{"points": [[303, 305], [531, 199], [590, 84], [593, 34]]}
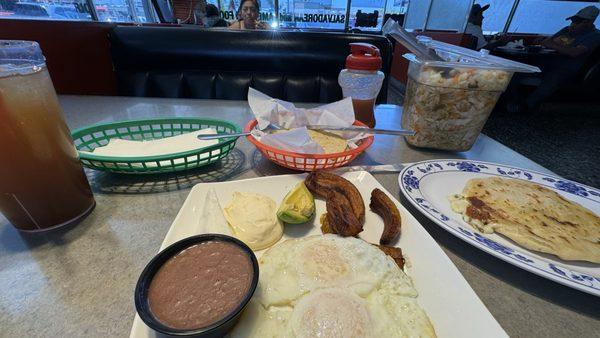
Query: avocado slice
{"points": [[297, 206]]}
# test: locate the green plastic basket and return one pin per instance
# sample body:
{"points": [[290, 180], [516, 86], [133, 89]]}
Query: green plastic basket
{"points": [[88, 138]]}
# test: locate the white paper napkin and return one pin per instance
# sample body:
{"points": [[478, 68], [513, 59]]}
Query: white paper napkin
{"points": [[157, 147], [268, 110], [286, 115]]}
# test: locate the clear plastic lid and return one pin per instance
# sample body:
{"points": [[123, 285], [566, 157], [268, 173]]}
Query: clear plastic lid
{"points": [[460, 57], [429, 52], [20, 57]]}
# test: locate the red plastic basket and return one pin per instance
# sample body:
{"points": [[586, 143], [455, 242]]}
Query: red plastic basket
{"points": [[309, 162]]}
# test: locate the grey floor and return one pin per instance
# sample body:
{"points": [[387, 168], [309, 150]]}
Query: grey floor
{"points": [[563, 138]]}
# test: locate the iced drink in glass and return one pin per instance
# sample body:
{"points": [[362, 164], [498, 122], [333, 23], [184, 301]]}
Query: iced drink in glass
{"points": [[42, 183]]}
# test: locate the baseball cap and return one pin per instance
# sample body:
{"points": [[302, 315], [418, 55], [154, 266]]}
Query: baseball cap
{"points": [[587, 13], [477, 8]]}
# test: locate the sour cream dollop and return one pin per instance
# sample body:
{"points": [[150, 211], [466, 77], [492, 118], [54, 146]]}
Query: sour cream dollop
{"points": [[253, 218]]}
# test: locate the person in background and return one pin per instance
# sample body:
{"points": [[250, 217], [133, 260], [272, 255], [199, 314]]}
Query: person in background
{"points": [[574, 44], [189, 12], [474, 28], [247, 16], [212, 18]]}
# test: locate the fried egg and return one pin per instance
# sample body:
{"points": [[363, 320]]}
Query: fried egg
{"points": [[329, 313], [329, 286]]}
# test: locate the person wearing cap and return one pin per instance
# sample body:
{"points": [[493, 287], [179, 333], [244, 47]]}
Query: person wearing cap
{"points": [[474, 28], [580, 37], [574, 43]]}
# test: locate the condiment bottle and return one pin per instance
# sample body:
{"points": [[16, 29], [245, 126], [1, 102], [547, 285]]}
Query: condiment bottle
{"points": [[361, 80]]}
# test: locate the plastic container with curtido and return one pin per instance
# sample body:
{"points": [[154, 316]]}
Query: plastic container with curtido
{"points": [[361, 80], [448, 101]]}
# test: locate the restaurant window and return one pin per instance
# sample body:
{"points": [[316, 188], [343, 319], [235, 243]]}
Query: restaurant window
{"points": [[439, 18], [366, 14], [543, 16], [125, 10], [113, 10], [396, 7], [416, 16], [496, 16], [48, 10], [143, 11], [217, 3], [324, 14], [229, 9], [267, 11], [434, 15]]}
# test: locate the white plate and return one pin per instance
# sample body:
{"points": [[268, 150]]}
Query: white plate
{"points": [[443, 292], [428, 184]]}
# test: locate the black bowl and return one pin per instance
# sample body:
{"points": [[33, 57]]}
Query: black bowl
{"points": [[218, 329]]}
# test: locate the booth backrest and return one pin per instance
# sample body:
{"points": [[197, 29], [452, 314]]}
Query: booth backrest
{"points": [[222, 64]]}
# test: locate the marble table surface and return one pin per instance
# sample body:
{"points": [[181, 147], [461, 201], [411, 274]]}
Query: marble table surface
{"points": [[79, 282]]}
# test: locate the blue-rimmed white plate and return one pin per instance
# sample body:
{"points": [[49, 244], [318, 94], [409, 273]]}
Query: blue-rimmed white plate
{"points": [[428, 184]]}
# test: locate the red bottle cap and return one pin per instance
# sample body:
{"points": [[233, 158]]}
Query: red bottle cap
{"points": [[364, 57]]}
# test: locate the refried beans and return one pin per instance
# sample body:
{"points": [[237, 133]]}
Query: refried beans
{"points": [[200, 285]]}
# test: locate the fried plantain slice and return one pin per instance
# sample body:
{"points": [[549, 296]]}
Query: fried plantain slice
{"points": [[382, 205], [323, 183], [325, 228], [395, 253], [339, 219]]}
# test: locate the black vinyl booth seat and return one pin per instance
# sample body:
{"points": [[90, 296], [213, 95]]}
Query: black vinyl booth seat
{"points": [[188, 62]]}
